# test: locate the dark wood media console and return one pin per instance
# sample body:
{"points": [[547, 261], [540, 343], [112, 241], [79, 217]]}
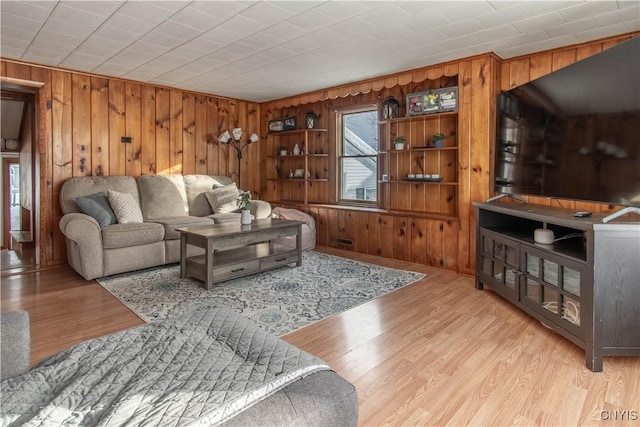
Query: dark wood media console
{"points": [[585, 287]]}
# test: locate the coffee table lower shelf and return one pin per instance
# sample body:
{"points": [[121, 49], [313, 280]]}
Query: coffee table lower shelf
{"points": [[242, 261]]}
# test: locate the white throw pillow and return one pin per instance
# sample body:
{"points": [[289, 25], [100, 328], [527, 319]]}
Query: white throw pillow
{"points": [[223, 199], [125, 207]]}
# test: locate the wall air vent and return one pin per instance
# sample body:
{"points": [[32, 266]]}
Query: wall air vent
{"points": [[342, 241]]}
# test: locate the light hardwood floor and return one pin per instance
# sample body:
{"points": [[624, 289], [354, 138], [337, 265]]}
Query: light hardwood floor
{"points": [[437, 352]]}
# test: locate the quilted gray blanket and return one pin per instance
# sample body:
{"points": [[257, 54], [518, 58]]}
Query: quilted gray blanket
{"points": [[199, 369]]}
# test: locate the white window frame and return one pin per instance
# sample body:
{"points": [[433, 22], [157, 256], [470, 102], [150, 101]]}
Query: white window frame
{"points": [[340, 156]]}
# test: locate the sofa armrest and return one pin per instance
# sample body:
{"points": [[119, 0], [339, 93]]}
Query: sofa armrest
{"points": [[15, 343], [260, 209], [85, 250]]}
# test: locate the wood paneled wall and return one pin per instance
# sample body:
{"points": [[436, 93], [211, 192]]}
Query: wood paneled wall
{"points": [[82, 118], [479, 80], [477, 86]]}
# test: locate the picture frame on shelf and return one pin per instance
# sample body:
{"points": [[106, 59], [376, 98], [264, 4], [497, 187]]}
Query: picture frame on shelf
{"points": [[298, 173], [282, 124], [276, 125], [432, 101], [290, 123]]}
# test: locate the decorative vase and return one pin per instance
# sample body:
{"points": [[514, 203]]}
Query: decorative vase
{"points": [[296, 150], [245, 217]]}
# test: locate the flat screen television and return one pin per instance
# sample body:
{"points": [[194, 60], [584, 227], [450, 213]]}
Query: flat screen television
{"points": [[574, 133]]}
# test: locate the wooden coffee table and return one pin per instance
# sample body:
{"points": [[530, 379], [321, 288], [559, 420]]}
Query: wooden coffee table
{"points": [[234, 250]]}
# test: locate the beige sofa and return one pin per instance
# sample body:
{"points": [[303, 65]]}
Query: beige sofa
{"points": [[167, 202]]}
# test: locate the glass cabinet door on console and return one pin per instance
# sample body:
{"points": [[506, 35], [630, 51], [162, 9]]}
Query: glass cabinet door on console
{"points": [[500, 260], [550, 285]]}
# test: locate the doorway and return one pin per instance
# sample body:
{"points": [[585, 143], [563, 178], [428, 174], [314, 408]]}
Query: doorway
{"points": [[18, 179]]}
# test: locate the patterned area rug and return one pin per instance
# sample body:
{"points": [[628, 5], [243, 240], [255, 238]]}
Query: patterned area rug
{"points": [[280, 300]]}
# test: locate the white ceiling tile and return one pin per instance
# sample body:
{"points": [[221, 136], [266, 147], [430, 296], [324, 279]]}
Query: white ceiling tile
{"points": [[162, 40], [75, 28], [226, 55], [129, 23], [311, 20], [37, 11], [571, 28], [199, 45], [504, 15], [353, 27], [100, 44], [631, 26], [387, 14], [242, 25], [531, 38], [131, 58], [16, 34], [220, 35], [65, 12], [116, 34], [99, 8], [535, 23], [177, 30], [587, 10], [458, 42], [598, 33], [284, 31], [12, 43], [538, 46], [266, 13], [42, 55], [59, 38], [20, 22], [423, 24], [631, 13], [262, 41], [13, 51], [222, 10], [197, 19], [341, 10], [457, 11], [148, 48], [499, 4], [146, 10], [468, 26], [540, 7], [261, 50], [496, 33]]}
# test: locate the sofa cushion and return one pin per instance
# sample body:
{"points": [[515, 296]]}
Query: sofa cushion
{"points": [[162, 196], [196, 186], [97, 206], [170, 224], [131, 234], [81, 186], [125, 207], [223, 199]]}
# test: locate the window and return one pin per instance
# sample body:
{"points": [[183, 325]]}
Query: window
{"points": [[358, 155]]}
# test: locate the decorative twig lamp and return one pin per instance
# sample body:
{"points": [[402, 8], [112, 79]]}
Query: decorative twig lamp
{"points": [[233, 139]]}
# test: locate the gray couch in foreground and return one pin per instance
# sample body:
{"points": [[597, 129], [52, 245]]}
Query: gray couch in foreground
{"points": [[167, 202], [210, 367]]}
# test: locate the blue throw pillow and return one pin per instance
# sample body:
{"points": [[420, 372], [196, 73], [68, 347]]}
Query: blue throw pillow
{"points": [[97, 206]]}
